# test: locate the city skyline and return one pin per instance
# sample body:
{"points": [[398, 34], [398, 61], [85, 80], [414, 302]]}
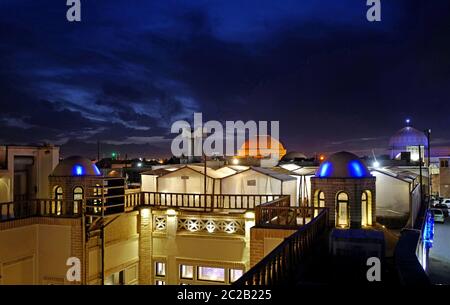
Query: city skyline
{"points": [[125, 73]]}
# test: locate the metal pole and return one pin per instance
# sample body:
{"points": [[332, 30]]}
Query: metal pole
{"points": [[420, 173], [98, 150], [430, 185]]}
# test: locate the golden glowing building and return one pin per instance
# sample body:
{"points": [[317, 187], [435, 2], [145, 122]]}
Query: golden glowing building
{"points": [[262, 146]]}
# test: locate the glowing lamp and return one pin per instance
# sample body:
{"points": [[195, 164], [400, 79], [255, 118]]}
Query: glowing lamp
{"points": [[96, 170], [171, 212], [356, 169], [78, 170], [376, 164], [249, 215], [325, 170], [145, 213]]}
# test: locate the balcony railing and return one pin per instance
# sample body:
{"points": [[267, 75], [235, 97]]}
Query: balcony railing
{"points": [[279, 213], [280, 265], [40, 207], [199, 201], [104, 205]]}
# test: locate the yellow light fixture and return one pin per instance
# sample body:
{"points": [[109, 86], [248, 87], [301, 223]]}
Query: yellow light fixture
{"points": [[249, 215], [171, 212], [145, 213]]}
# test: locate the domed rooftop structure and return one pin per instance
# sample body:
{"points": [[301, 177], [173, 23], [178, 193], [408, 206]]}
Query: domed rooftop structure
{"points": [[293, 155], [408, 136], [253, 147], [343, 165], [75, 166]]}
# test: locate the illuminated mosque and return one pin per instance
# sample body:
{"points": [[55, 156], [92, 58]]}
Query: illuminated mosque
{"points": [[408, 140]]}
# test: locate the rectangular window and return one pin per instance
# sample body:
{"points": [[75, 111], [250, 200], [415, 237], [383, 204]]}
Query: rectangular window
{"points": [[159, 283], [211, 274], [160, 269], [251, 182], [186, 272], [235, 274], [444, 163]]}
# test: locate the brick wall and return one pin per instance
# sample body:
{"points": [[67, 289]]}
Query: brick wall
{"points": [[258, 238], [353, 188]]}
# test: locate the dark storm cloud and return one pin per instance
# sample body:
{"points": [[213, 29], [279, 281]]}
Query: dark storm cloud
{"points": [[126, 72]]}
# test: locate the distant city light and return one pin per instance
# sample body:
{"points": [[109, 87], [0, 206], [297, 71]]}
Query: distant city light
{"points": [[139, 164], [322, 157]]}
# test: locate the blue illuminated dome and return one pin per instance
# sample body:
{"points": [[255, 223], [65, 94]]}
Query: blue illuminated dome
{"points": [[76, 167], [406, 137], [343, 165]]}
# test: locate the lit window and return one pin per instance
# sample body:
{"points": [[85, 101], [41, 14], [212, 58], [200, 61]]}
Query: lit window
{"points": [[342, 213], [160, 269], [77, 197], [186, 272], [58, 193], [235, 274], [159, 283], [211, 274]]}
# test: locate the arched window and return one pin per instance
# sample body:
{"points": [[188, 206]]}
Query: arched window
{"points": [[366, 208], [342, 210], [55, 207], [78, 194], [319, 201], [58, 193]]}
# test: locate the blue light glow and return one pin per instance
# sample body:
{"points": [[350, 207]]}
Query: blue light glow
{"points": [[356, 169], [325, 169], [428, 231], [96, 170], [78, 170]]}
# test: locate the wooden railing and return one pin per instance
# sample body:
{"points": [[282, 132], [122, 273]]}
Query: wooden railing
{"points": [[280, 213], [40, 207], [199, 201], [280, 265]]}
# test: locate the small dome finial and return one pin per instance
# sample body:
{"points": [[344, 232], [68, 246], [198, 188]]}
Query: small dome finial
{"points": [[407, 121]]}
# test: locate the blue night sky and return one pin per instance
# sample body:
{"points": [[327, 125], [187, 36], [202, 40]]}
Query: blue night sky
{"points": [[131, 68]]}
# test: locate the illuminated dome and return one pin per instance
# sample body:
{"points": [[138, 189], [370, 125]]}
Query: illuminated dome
{"points": [[343, 165], [75, 166], [251, 148], [293, 155], [407, 139], [408, 136]]}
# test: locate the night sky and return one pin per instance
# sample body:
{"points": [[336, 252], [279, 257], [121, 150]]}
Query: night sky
{"points": [[130, 68]]}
